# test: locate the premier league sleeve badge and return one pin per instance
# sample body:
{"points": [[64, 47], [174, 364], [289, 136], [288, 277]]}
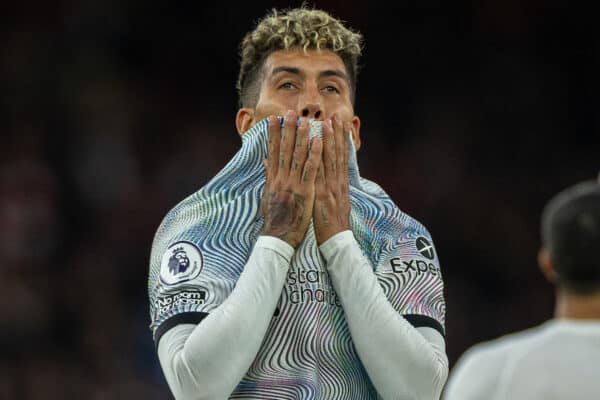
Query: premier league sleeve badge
{"points": [[180, 263]]}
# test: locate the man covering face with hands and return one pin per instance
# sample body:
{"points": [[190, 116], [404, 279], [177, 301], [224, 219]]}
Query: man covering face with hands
{"points": [[305, 281]]}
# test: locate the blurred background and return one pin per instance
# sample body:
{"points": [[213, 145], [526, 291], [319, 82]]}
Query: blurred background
{"points": [[474, 113]]}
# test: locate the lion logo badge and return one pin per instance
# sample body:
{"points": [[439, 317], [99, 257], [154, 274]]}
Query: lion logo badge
{"points": [[181, 262]]}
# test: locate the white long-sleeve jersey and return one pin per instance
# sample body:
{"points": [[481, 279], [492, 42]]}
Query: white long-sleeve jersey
{"points": [[235, 314], [299, 358], [556, 360]]}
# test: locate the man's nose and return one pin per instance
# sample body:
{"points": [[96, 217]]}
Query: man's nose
{"points": [[310, 104], [312, 110]]}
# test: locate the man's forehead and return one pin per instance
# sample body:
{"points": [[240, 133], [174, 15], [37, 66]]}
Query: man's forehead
{"points": [[310, 60]]}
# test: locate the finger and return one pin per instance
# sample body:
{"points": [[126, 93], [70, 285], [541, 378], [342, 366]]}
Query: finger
{"points": [[267, 185], [320, 178], [338, 129], [346, 133], [267, 175], [300, 150], [313, 164], [273, 150], [287, 143], [346, 154], [329, 156]]}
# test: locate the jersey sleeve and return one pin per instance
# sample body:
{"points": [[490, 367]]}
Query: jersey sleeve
{"points": [[411, 279], [188, 278]]}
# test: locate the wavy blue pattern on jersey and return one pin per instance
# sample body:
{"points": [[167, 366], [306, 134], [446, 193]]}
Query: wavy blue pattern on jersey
{"points": [[308, 351]]}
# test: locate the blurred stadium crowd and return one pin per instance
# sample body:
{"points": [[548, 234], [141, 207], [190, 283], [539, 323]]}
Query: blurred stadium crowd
{"points": [[474, 114]]}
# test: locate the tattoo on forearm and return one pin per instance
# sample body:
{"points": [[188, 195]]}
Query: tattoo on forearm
{"points": [[283, 213]]}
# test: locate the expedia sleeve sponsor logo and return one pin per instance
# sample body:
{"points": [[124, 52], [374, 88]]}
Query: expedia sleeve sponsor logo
{"points": [[168, 302], [181, 262], [418, 267]]}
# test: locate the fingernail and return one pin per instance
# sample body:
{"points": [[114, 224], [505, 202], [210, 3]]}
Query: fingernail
{"points": [[289, 114]]}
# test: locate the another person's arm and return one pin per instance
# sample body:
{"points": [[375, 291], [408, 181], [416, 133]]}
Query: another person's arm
{"points": [[477, 373]]}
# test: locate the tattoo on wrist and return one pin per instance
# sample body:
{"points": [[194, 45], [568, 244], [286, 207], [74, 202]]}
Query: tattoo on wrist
{"points": [[283, 213]]}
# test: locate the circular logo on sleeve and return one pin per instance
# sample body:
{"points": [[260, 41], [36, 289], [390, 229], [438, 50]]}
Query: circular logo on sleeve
{"points": [[181, 262], [425, 248]]}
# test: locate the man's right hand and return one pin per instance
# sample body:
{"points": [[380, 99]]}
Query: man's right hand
{"points": [[288, 200]]}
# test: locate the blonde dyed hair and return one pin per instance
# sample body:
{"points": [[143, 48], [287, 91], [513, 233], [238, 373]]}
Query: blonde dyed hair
{"points": [[298, 28]]}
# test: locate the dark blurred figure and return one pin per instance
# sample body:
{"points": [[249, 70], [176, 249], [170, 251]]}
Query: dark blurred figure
{"points": [[558, 359]]}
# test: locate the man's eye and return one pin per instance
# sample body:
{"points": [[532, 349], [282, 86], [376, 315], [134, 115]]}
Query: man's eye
{"points": [[331, 89], [287, 85]]}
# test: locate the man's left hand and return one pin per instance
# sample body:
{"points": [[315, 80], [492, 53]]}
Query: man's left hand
{"points": [[331, 212]]}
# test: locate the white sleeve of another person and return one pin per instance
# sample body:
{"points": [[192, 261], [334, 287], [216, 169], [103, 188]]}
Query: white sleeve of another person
{"points": [[476, 374]]}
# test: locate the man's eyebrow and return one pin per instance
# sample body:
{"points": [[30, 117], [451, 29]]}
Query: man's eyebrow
{"points": [[290, 70], [334, 72], [322, 74]]}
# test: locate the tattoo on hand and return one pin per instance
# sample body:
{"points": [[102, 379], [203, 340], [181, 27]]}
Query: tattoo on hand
{"points": [[325, 219], [283, 213]]}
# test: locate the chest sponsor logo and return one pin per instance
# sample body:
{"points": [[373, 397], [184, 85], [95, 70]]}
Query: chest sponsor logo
{"points": [[400, 266], [425, 248], [168, 302], [181, 262], [310, 286]]}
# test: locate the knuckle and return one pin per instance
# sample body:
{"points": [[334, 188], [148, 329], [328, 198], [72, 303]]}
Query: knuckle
{"points": [[297, 152]]}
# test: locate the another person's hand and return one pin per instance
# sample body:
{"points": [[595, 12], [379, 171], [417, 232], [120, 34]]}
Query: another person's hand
{"points": [[331, 213], [288, 200]]}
